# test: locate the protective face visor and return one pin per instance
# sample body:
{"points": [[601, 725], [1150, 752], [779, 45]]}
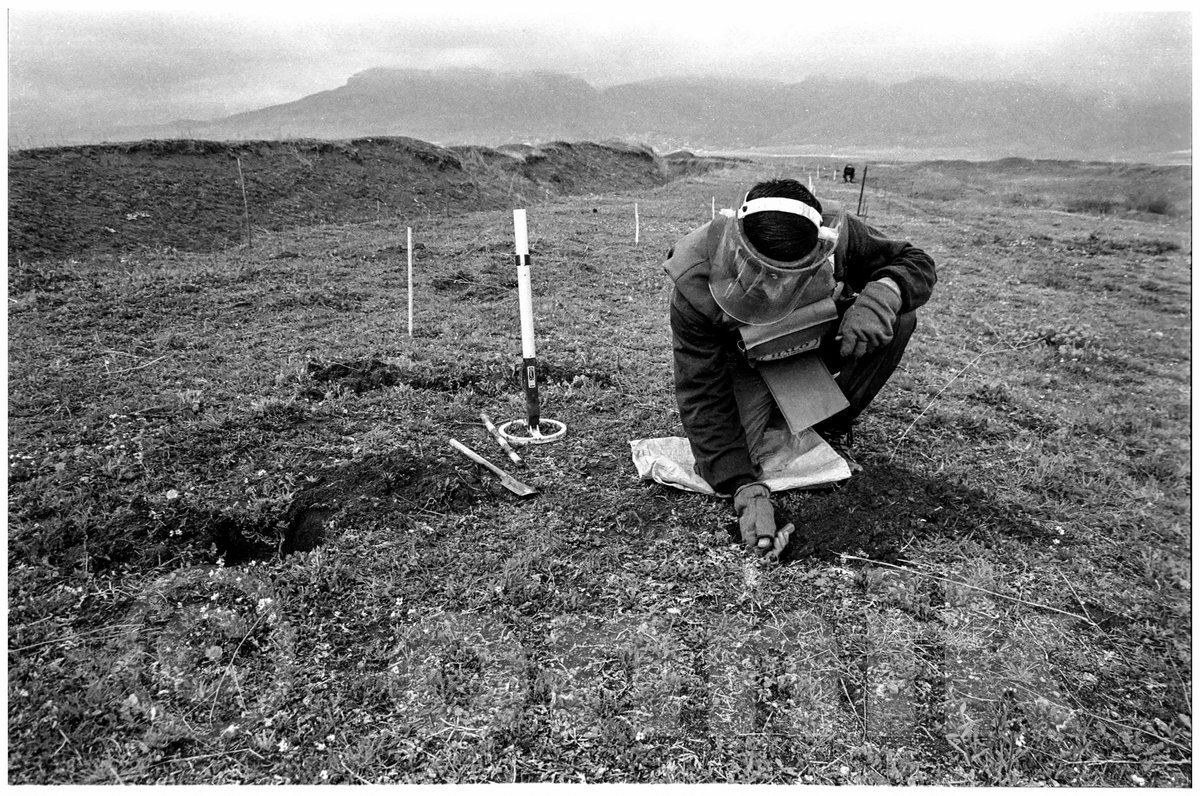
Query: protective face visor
{"points": [[757, 290]]}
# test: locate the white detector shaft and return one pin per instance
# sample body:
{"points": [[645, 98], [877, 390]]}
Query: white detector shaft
{"points": [[524, 287], [529, 367]]}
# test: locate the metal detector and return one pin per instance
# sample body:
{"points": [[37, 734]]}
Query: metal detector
{"points": [[535, 429]]}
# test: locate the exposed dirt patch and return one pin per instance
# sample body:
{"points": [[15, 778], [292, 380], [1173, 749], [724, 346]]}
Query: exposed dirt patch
{"points": [[682, 163], [878, 512], [365, 375], [388, 486], [357, 377], [488, 287]]}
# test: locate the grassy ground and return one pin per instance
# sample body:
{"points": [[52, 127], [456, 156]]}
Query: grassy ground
{"points": [[241, 550]]}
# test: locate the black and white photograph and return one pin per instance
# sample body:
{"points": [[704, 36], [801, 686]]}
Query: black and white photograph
{"points": [[621, 394]]}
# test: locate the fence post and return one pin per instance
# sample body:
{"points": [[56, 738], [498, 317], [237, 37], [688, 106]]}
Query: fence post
{"points": [[862, 187]]}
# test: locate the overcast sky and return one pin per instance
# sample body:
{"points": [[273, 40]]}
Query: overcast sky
{"points": [[159, 62]]}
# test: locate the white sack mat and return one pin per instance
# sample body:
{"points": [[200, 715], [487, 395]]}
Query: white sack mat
{"points": [[794, 461]]}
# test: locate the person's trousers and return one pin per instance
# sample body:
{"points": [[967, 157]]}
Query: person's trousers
{"points": [[859, 379]]}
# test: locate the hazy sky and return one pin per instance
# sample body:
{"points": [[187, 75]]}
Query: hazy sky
{"points": [[109, 63]]}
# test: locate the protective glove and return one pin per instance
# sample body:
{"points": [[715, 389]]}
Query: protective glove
{"points": [[871, 320], [756, 516]]}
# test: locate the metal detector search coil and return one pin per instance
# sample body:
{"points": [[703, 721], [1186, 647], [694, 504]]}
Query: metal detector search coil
{"points": [[521, 434], [532, 426]]}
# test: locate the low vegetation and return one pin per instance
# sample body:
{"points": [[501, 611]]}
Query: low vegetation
{"points": [[241, 550]]}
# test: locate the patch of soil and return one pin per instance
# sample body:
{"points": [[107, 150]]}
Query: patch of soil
{"points": [[358, 377], [877, 512], [238, 539], [487, 287], [368, 489], [365, 489], [390, 487], [363, 375], [683, 163]]}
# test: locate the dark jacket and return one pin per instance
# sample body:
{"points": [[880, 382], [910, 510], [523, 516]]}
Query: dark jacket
{"points": [[704, 337]]}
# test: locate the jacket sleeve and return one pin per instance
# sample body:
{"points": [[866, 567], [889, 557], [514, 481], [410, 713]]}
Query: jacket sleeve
{"points": [[707, 407], [870, 255]]}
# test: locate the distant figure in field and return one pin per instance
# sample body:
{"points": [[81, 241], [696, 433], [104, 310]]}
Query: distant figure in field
{"points": [[777, 306], [848, 173]]}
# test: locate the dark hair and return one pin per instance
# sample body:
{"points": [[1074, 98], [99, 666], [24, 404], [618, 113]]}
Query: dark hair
{"points": [[781, 236]]}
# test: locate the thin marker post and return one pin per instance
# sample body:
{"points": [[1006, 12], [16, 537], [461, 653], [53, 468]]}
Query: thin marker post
{"points": [[410, 291], [861, 188]]}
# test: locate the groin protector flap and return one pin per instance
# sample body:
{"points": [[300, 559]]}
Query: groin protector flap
{"points": [[804, 390]]}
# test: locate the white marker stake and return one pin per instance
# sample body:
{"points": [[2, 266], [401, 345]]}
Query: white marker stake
{"points": [[714, 207], [525, 297], [410, 291], [637, 225]]}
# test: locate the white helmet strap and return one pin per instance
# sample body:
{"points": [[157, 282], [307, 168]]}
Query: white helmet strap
{"points": [[782, 205]]}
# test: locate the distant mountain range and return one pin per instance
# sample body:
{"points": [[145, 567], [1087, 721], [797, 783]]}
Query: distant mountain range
{"points": [[473, 106]]}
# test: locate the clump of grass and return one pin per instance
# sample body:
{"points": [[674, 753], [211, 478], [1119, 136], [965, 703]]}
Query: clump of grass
{"points": [[1139, 200], [1095, 205], [1069, 337], [1149, 201]]}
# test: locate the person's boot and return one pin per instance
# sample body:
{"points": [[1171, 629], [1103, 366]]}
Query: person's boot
{"points": [[841, 440]]}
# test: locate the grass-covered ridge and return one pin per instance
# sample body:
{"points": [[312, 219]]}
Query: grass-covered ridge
{"points": [[194, 195], [241, 550]]}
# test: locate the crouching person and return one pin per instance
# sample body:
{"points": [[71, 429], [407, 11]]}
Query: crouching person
{"points": [[785, 314]]}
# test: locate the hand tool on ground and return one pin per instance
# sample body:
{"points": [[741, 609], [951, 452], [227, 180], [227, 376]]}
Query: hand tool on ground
{"points": [[510, 483], [781, 540], [534, 429], [491, 427]]}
